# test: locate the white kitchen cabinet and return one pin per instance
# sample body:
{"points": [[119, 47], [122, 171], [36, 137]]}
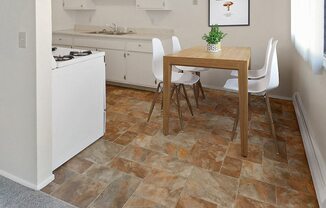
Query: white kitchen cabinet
{"points": [[62, 40], [78, 5], [139, 69], [116, 66], [152, 4], [128, 61]]}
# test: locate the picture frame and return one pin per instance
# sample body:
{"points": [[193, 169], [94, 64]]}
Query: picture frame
{"points": [[229, 12]]}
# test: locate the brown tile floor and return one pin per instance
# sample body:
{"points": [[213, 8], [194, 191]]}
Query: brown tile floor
{"points": [[134, 165]]}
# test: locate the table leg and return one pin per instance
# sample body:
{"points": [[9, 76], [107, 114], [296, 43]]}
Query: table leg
{"points": [[243, 104], [166, 95]]}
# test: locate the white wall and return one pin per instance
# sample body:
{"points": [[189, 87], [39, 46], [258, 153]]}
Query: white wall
{"points": [[25, 92], [43, 92], [60, 18], [312, 90], [268, 19]]}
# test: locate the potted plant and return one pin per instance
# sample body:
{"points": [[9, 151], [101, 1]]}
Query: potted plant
{"points": [[213, 39]]}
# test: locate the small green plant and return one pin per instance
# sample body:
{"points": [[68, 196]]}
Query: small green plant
{"points": [[214, 36]]}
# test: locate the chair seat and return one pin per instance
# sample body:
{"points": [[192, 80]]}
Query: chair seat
{"points": [[191, 69], [252, 74], [254, 86], [183, 78]]}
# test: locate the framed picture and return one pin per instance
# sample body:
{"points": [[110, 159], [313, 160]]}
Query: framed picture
{"points": [[229, 12]]}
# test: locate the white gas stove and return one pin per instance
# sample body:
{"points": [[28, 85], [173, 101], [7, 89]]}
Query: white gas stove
{"points": [[78, 101]]}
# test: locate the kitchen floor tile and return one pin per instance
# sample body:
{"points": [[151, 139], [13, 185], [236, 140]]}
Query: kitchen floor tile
{"points": [[193, 202], [78, 165], [135, 166], [101, 152], [231, 167], [130, 167], [257, 190], [243, 202], [294, 199], [79, 191], [117, 193], [212, 186]]}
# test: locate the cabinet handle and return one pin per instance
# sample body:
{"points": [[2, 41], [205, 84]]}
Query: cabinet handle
{"points": [[139, 45], [163, 3], [128, 54], [125, 55], [124, 77], [81, 5], [155, 82]]}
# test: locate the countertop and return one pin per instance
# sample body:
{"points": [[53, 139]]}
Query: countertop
{"points": [[136, 36]]}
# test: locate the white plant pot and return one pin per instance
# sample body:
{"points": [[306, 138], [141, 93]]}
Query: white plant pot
{"points": [[214, 48]]}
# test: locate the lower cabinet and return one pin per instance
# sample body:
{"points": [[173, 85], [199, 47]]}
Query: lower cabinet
{"points": [[127, 61], [139, 69], [115, 66]]}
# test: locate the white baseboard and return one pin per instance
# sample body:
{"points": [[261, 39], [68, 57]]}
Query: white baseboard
{"points": [[45, 182], [316, 163], [27, 183]]}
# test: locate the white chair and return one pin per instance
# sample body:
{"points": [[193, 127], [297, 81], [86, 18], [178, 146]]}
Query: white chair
{"points": [[260, 73], [261, 87], [196, 70], [178, 80]]}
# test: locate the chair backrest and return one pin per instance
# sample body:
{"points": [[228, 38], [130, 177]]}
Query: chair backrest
{"points": [[272, 76], [157, 61], [176, 47], [268, 51]]}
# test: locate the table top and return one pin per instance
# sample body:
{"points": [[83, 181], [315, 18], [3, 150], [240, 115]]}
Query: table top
{"points": [[227, 58], [227, 53]]}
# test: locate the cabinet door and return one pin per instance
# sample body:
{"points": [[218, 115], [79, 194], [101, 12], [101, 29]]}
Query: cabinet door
{"points": [[139, 69], [85, 48], [115, 66], [62, 40], [151, 4], [79, 4]]}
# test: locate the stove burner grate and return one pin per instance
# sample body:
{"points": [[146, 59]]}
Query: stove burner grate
{"points": [[80, 53], [63, 58]]}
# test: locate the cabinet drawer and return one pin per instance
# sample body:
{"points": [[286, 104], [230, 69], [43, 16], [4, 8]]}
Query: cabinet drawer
{"points": [[151, 4], [62, 40], [100, 43], [140, 46]]}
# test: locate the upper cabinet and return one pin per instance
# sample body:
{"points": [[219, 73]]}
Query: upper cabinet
{"points": [[152, 4], [78, 5]]}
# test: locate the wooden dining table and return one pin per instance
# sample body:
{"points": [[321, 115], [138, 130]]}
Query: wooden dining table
{"points": [[229, 58]]}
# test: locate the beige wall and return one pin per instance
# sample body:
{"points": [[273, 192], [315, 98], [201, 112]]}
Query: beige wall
{"points": [[189, 21], [312, 89]]}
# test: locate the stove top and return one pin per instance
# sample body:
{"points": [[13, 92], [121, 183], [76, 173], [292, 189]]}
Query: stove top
{"points": [[80, 53], [63, 58], [66, 54]]}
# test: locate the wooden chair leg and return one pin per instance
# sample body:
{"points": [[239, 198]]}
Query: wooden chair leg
{"points": [[162, 102], [187, 99], [157, 93], [235, 125], [178, 106], [195, 94], [269, 110]]}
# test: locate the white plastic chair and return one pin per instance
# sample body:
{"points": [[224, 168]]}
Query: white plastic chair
{"points": [[261, 87], [196, 70], [178, 80], [259, 73]]}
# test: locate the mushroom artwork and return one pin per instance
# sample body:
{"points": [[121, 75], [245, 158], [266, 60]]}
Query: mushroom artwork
{"points": [[228, 4]]}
